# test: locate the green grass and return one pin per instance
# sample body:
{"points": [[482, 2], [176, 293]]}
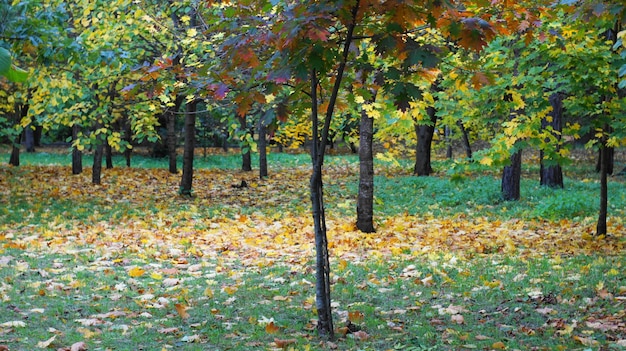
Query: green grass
{"points": [[524, 304]]}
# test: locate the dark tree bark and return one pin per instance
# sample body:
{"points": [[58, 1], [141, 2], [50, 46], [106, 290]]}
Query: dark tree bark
{"points": [[511, 178], [466, 142], [127, 138], [322, 286], [37, 134], [77, 155], [14, 160], [97, 164], [190, 144], [171, 133], [552, 175], [609, 159], [29, 139], [262, 149], [365, 199], [448, 135], [246, 155], [108, 155], [425, 135], [605, 155]]}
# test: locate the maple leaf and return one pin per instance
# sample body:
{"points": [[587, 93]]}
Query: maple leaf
{"points": [[182, 310]]}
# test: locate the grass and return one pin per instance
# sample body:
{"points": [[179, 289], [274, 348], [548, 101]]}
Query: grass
{"points": [[131, 266]]}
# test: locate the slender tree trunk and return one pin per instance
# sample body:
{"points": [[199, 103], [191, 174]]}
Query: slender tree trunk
{"points": [[246, 158], [128, 139], [448, 134], [262, 149], [14, 160], [190, 144], [365, 199], [552, 176], [37, 134], [466, 142], [425, 135], [605, 154], [29, 139], [97, 164], [77, 155], [171, 134], [322, 286], [108, 153], [511, 178], [609, 159]]}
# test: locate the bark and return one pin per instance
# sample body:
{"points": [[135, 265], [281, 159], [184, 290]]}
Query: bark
{"points": [[322, 286], [128, 139], [262, 149], [511, 178], [246, 158], [14, 160], [171, 134], [609, 159], [108, 155], [37, 134], [97, 164], [365, 199], [77, 155], [605, 155], [425, 135], [190, 144], [466, 143], [448, 135], [552, 175], [29, 139]]}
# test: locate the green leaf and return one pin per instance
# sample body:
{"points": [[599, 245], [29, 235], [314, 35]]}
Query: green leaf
{"points": [[16, 74], [622, 71], [5, 61]]}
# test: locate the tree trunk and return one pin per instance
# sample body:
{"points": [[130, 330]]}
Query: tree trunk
{"points": [[171, 134], [29, 139], [605, 155], [511, 178], [190, 144], [322, 286], [552, 175], [425, 135], [128, 138], [262, 149], [466, 142], [609, 159], [37, 134], [14, 160], [246, 159], [108, 155], [77, 155], [448, 134], [365, 199], [97, 164]]}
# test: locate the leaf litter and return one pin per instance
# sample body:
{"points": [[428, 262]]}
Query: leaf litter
{"points": [[136, 222]]}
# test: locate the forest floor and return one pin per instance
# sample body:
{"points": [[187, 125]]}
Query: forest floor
{"points": [[131, 265]]}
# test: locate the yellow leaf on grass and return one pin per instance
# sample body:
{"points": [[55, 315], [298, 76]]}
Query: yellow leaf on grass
{"points": [[356, 316], [182, 310], [498, 345], [45, 344], [136, 272]]}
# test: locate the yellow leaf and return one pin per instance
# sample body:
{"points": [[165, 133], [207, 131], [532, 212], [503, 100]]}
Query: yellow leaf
{"points": [[136, 272], [182, 310], [156, 276], [498, 345]]}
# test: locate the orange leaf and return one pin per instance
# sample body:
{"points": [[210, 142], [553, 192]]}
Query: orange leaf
{"points": [[182, 310], [355, 316], [271, 328], [284, 343]]}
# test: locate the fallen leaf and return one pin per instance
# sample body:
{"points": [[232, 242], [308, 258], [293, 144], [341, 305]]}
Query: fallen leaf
{"points": [[45, 344], [271, 328], [79, 346], [283, 343], [4, 348], [585, 341], [15, 324], [457, 318], [356, 316], [360, 335], [182, 310], [136, 272], [499, 345]]}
